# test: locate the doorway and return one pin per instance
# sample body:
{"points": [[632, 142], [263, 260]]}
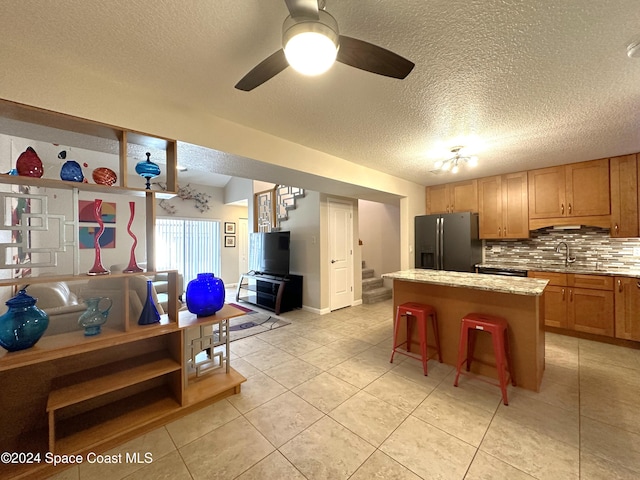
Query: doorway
{"points": [[340, 241]]}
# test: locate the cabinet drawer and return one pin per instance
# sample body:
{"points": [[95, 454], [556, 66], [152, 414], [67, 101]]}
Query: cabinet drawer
{"points": [[596, 282], [555, 279]]}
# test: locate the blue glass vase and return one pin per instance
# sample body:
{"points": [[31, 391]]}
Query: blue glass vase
{"points": [[205, 295], [71, 171], [147, 169], [23, 324], [149, 313]]}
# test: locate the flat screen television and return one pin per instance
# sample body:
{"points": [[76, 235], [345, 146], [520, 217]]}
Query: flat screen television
{"points": [[269, 252]]}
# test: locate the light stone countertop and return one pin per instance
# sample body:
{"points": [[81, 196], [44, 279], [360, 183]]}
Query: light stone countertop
{"points": [[492, 283]]}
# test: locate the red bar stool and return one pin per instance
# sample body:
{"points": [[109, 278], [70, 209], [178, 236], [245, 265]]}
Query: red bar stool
{"points": [[497, 327], [420, 313]]}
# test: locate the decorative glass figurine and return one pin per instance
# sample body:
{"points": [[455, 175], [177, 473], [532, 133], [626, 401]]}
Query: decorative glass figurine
{"points": [[23, 324], [149, 313], [205, 294], [147, 169], [93, 318]]}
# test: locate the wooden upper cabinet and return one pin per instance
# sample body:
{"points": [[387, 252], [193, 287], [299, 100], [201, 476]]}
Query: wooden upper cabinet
{"points": [[453, 197], [547, 193], [627, 308], [624, 196], [503, 206], [588, 188], [565, 192], [438, 199]]}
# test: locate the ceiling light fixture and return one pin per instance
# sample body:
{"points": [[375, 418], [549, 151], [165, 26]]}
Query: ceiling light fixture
{"points": [[452, 164], [310, 45], [633, 50]]}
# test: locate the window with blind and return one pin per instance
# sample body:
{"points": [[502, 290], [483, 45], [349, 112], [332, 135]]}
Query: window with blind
{"points": [[189, 246]]}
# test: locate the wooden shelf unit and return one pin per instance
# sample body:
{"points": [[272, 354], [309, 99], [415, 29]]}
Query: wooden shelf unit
{"points": [[72, 394]]}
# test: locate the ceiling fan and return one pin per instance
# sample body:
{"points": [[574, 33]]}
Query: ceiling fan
{"points": [[309, 26]]}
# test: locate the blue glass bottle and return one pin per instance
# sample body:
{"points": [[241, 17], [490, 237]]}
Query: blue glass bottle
{"points": [[149, 313], [147, 169], [23, 324], [205, 295]]}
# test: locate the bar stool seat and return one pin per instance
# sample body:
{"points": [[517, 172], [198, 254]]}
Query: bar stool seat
{"points": [[498, 328], [421, 313]]}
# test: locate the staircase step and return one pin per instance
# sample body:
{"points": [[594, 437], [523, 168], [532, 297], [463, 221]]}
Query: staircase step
{"points": [[371, 283], [379, 294], [367, 272]]}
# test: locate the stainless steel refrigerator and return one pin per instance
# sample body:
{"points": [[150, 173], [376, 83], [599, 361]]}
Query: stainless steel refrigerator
{"points": [[447, 241]]}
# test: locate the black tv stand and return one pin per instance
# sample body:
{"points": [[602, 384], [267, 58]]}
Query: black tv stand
{"points": [[279, 293]]}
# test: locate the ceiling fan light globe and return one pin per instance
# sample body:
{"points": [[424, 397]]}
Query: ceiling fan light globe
{"points": [[454, 169], [310, 53]]}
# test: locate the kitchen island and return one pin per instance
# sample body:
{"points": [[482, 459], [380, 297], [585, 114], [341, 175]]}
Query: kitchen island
{"points": [[454, 294]]}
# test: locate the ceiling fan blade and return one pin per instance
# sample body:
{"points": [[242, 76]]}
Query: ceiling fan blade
{"points": [[265, 70], [374, 59], [303, 8]]}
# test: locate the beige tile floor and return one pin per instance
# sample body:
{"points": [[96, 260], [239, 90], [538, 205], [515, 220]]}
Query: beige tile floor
{"points": [[322, 401]]}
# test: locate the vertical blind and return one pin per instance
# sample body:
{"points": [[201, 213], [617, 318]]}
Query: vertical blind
{"points": [[189, 246]]}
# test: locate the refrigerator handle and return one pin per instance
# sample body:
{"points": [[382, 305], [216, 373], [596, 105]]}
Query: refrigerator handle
{"points": [[436, 262], [442, 243]]}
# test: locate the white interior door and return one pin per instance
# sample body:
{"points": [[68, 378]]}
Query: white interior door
{"points": [[243, 245], [340, 254]]}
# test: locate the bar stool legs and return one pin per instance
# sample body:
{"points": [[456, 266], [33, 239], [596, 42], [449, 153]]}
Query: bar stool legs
{"points": [[498, 328], [420, 313]]}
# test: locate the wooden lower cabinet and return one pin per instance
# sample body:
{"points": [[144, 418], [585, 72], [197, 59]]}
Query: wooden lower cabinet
{"points": [[590, 311], [569, 305], [627, 308]]}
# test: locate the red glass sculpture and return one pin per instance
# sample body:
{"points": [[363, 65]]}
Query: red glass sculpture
{"points": [[133, 265]]}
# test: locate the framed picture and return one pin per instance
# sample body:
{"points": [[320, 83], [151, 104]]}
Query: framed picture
{"points": [[86, 236], [85, 212], [230, 229], [229, 241]]}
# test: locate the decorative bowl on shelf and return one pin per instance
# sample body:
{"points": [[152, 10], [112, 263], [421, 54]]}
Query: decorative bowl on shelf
{"points": [[104, 176], [71, 171], [29, 164]]}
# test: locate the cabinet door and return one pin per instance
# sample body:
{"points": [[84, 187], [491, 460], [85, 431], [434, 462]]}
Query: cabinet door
{"points": [[438, 199], [555, 306], [627, 304], [591, 311], [490, 207], [624, 196], [463, 196], [588, 188], [515, 206], [547, 193]]}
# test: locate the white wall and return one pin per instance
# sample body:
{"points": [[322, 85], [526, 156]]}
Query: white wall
{"points": [[304, 225], [379, 229]]}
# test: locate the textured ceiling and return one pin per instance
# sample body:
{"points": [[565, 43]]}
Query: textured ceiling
{"points": [[524, 83]]}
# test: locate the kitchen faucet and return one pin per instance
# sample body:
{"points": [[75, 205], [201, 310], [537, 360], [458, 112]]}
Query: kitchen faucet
{"points": [[567, 258]]}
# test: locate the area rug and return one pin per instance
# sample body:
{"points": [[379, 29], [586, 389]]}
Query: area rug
{"points": [[253, 323]]}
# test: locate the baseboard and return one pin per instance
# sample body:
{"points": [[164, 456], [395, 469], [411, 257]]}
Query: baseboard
{"points": [[317, 311], [355, 303]]}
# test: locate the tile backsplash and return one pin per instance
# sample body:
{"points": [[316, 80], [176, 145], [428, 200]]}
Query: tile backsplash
{"points": [[591, 246]]}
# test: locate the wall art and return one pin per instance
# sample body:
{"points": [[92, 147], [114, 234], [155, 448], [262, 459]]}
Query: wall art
{"points": [[85, 212], [107, 240], [229, 241], [229, 228]]}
